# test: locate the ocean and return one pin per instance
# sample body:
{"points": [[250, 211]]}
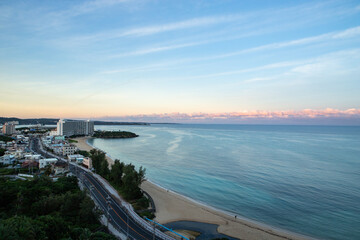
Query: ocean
{"points": [[303, 179]]}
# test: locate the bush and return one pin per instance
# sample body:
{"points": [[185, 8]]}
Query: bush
{"points": [[142, 203], [147, 214]]}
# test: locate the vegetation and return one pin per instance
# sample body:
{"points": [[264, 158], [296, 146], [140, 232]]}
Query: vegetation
{"points": [[124, 177], [6, 138], [34, 130], [43, 209], [75, 136], [2, 152], [29, 121], [49, 149], [114, 134], [12, 171], [72, 141], [84, 153], [147, 213]]}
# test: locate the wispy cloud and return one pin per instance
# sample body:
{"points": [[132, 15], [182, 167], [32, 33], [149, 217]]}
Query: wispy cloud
{"points": [[241, 21], [339, 35], [245, 19], [94, 5], [348, 33], [154, 29], [156, 49], [191, 23], [43, 19]]}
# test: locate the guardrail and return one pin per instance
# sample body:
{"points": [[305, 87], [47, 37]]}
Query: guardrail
{"points": [[182, 237], [129, 210]]}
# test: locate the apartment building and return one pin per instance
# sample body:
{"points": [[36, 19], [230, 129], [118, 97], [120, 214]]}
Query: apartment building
{"points": [[68, 150], [9, 128]]}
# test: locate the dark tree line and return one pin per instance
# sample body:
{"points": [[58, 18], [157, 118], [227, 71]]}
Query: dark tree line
{"points": [[6, 138], [43, 209]]}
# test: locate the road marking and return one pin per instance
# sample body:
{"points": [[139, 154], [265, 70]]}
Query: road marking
{"points": [[114, 210]]}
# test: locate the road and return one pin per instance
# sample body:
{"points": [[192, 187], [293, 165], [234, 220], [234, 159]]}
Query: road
{"points": [[118, 215]]}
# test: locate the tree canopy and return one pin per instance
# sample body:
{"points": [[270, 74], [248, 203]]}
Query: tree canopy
{"points": [[43, 209], [114, 134], [123, 176]]}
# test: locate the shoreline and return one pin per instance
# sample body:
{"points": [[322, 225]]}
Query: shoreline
{"points": [[172, 207]]}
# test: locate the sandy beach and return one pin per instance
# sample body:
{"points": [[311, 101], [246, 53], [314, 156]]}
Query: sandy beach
{"points": [[171, 207], [82, 145]]}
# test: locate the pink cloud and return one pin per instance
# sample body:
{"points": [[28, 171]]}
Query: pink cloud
{"points": [[247, 116]]}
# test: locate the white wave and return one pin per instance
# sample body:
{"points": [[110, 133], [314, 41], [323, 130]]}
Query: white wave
{"points": [[173, 145]]}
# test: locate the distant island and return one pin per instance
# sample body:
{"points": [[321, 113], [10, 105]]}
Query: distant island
{"points": [[114, 134]]}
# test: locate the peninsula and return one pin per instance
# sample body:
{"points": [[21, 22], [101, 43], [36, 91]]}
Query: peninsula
{"points": [[114, 134]]}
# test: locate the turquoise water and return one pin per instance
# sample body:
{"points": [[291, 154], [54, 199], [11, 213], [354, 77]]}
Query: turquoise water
{"points": [[304, 179]]}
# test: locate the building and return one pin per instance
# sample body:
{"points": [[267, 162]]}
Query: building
{"points": [[53, 132], [60, 168], [32, 156], [87, 162], [7, 159], [46, 161], [76, 158], [68, 150], [30, 164], [9, 128], [70, 127]]}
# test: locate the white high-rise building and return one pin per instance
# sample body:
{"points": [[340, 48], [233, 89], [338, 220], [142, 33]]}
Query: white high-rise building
{"points": [[72, 127], [9, 128]]}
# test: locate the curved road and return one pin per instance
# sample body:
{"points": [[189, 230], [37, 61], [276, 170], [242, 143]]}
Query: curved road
{"points": [[119, 217]]}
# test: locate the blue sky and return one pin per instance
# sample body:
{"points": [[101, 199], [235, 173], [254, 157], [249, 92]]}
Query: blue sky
{"points": [[143, 58]]}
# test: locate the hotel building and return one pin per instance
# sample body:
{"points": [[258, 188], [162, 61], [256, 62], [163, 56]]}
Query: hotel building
{"points": [[72, 127]]}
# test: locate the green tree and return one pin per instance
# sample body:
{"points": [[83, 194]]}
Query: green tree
{"points": [[54, 226], [2, 152], [102, 236], [97, 157], [65, 184], [117, 170], [53, 210], [130, 182], [71, 204], [48, 170], [104, 169], [141, 175], [48, 204], [84, 153], [85, 235], [87, 214], [20, 227]]}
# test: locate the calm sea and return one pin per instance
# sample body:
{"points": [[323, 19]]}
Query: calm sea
{"points": [[304, 179]]}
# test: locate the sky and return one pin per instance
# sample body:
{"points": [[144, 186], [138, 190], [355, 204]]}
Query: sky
{"points": [[219, 61]]}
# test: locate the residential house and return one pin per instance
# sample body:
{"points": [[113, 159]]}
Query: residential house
{"points": [[46, 161]]}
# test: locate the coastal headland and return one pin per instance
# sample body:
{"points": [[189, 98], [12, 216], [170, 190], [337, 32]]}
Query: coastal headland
{"points": [[172, 207]]}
